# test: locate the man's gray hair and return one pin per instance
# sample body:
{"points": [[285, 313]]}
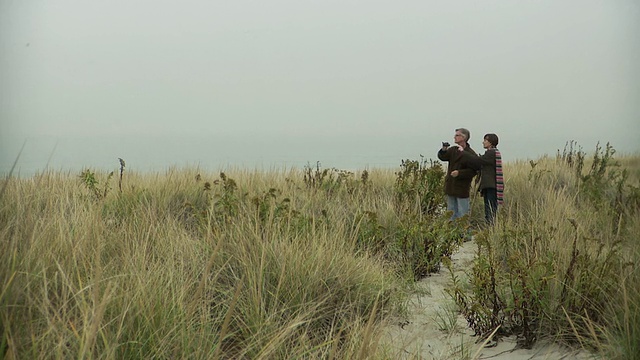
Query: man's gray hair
{"points": [[465, 132]]}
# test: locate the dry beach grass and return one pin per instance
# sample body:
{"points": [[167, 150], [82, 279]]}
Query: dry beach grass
{"points": [[319, 263]]}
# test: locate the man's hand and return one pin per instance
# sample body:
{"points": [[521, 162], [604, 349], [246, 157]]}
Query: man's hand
{"points": [[455, 173]]}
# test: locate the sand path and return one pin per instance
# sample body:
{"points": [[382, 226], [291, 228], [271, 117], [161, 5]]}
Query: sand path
{"points": [[432, 328]]}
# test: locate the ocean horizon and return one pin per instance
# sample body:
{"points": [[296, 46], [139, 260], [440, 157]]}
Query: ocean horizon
{"points": [[216, 153]]}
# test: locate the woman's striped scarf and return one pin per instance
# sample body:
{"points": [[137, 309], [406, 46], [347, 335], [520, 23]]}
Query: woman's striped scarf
{"points": [[499, 178]]}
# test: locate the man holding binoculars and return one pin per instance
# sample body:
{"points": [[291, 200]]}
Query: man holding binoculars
{"points": [[457, 182]]}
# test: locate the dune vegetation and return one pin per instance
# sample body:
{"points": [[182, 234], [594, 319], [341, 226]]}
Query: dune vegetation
{"points": [[312, 262], [563, 261]]}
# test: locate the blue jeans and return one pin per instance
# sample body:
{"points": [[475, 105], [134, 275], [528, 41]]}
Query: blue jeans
{"points": [[459, 206], [490, 205]]}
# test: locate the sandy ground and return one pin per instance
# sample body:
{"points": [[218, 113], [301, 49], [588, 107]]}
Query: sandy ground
{"points": [[434, 330]]}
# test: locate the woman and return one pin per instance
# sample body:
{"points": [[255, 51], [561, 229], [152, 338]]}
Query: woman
{"points": [[491, 178]]}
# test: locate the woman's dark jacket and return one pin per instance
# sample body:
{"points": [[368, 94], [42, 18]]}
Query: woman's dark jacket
{"points": [[486, 163], [458, 186]]}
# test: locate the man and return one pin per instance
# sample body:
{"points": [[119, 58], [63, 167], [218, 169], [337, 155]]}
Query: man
{"points": [[457, 182]]}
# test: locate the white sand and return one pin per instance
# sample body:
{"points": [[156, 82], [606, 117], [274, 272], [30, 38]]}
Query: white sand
{"points": [[421, 335]]}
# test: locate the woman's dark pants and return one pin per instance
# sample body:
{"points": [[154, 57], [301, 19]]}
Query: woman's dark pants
{"points": [[490, 205]]}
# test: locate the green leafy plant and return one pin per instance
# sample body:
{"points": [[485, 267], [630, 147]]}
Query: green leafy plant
{"points": [[227, 202], [419, 186], [331, 180], [88, 178]]}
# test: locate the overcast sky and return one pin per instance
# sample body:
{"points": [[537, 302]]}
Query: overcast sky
{"points": [[355, 83]]}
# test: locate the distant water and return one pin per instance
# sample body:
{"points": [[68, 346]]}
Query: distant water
{"points": [[208, 153], [215, 153]]}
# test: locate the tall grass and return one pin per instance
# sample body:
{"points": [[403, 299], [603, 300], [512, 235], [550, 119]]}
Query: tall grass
{"points": [[192, 265], [562, 261], [304, 263]]}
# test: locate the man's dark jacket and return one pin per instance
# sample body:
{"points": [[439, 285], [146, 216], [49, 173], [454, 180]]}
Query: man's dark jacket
{"points": [[457, 186]]}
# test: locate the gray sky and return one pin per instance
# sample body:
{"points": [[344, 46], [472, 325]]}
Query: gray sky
{"points": [[359, 83]]}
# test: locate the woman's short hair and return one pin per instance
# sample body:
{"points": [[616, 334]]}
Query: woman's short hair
{"points": [[492, 138]]}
